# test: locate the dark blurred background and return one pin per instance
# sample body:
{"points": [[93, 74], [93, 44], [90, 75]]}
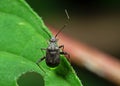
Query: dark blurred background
{"points": [[94, 22]]}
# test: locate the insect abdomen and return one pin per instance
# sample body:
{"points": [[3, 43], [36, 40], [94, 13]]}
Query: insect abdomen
{"points": [[52, 59]]}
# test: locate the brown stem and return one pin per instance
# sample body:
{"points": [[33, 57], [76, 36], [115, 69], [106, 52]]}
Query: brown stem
{"points": [[94, 60]]}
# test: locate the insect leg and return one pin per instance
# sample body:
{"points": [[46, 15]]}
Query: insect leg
{"points": [[67, 55], [41, 59], [43, 49], [61, 46]]}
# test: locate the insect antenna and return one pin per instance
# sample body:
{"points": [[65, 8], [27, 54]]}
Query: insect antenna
{"points": [[63, 27]]}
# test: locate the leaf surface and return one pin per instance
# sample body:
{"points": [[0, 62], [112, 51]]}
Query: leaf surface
{"points": [[22, 35]]}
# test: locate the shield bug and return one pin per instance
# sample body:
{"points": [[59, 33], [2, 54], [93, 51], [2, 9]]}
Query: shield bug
{"points": [[53, 52]]}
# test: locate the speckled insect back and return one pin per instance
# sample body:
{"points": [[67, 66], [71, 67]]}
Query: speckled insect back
{"points": [[53, 52]]}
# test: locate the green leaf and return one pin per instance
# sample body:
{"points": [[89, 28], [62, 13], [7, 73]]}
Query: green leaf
{"points": [[22, 35]]}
